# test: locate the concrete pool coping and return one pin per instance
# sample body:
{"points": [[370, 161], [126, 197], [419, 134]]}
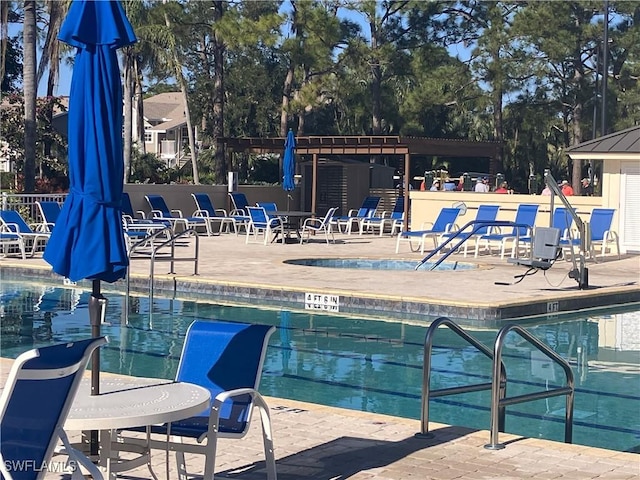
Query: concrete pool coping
{"points": [[230, 270]]}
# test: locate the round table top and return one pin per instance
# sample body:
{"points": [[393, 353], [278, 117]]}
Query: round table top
{"points": [[134, 402]]}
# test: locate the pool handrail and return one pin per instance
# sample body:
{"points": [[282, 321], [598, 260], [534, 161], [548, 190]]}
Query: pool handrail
{"points": [[477, 225], [427, 393], [499, 402]]}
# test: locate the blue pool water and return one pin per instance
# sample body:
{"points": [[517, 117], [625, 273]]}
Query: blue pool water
{"points": [[369, 364], [380, 264]]}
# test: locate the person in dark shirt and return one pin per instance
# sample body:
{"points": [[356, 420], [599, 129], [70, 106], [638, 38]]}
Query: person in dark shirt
{"points": [[587, 188]]}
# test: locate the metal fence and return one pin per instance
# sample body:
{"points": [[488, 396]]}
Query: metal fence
{"points": [[26, 203]]}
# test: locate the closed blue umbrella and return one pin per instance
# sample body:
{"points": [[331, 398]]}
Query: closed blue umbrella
{"points": [[88, 240], [289, 163]]}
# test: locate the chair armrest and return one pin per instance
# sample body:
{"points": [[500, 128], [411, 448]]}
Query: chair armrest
{"points": [[157, 214], [176, 212], [352, 213], [141, 214], [221, 211], [237, 212], [13, 227], [200, 213], [426, 225], [312, 222]]}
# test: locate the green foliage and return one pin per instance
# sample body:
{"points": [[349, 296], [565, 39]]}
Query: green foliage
{"points": [[51, 169], [147, 168], [12, 67]]}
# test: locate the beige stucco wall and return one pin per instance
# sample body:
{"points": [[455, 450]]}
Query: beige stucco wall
{"points": [[425, 206]]}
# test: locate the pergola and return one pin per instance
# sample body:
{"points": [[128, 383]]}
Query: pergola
{"points": [[368, 145]]}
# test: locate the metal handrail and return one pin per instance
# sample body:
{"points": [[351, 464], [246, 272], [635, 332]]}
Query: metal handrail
{"points": [[499, 401], [153, 256], [427, 393], [477, 225]]}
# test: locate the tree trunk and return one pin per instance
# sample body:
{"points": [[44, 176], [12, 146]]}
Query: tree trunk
{"points": [[127, 111], [30, 91], [139, 134], [286, 96], [220, 166]]}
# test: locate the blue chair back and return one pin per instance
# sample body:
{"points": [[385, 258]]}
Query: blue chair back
{"points": [[398, 209], [222, 356], [270, 207], [562, 220], [600, 222], [446, 217], [126, 206], [35, 403], [13, 217], [156, 202], [203, 202], [526, 214], [486, 213], [258, 216], [49, 211], [369, 206], [240, 201]]}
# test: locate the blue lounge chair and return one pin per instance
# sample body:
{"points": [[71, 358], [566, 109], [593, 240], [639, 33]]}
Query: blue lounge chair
{"points": [[49, 212], [395, 219], [206, 210], [13, 222], [227, 359], [261, 223], [34, 405], [485, 213], [319, 225], [445, 222], [160, 210], [240, 203], [600, 233], [525, 215], [355, 217], [270, 207]]}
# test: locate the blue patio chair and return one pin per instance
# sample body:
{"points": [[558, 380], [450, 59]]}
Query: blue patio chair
{"points": [[261, 223], [13, 222], [485, 213], [395, 219], [206, 210], [355, 217], [600, 232], [227, 359], [34, 405], [160, 210], [49, 213], [445, 222], [561, 220], [319, 225], [525, 215]]}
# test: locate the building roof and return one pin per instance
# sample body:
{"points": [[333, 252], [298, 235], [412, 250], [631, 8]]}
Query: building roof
{"points": [[619, 144], [165, 109], [366, 145]]}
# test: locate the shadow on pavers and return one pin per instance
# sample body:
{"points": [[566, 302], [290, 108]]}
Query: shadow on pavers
{"points": [[344, 457]]}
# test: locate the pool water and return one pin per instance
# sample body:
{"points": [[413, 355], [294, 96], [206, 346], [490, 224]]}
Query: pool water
{"points": [[377, 264], [372, 365]]}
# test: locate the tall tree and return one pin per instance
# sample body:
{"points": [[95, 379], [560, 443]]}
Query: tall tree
{"points": [[30, 90]]}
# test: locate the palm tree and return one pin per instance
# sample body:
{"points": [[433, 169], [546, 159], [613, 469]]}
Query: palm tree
{"points": [[29, 84]]}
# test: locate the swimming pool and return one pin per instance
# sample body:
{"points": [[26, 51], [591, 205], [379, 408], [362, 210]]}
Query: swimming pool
{"points": [[377, 264], [365, 364]]}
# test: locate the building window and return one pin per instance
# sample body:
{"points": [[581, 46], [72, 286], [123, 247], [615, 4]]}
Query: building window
{"points": [[148, 137]]}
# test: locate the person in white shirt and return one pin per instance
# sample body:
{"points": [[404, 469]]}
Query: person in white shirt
{"points": [[481, 186]]}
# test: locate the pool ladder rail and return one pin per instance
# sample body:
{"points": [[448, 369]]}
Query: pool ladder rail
{"points": [[498, 384], [154, 248]]}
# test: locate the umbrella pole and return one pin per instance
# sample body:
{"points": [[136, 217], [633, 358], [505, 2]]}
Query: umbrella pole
{"points": [[97, 306]]}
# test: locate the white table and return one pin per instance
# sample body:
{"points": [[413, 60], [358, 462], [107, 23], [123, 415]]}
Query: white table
{"points": [[126, 402]]}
